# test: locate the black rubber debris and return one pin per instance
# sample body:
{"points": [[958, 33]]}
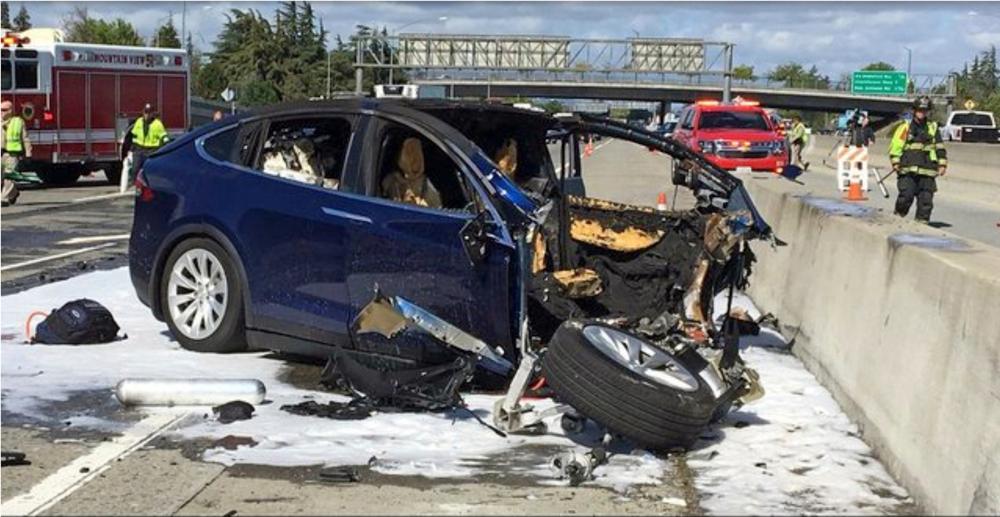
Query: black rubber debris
{"points": [[233, 411], [13, 459], [334, 410], [340, 474]]}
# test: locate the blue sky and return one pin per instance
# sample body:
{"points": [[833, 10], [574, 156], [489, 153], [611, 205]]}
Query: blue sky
{"points": [[838, 37]]}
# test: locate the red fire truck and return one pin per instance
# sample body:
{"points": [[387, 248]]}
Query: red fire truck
{"points": [[79, 99]]}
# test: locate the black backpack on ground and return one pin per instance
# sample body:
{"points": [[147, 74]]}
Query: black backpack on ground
{"points": [[79, 322]]}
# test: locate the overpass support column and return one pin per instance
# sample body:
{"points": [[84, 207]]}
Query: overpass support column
{"points": [[662, 111], [727, 85]]}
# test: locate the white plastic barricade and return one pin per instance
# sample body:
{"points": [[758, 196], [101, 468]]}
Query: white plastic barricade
{"points": [[852, 162]]}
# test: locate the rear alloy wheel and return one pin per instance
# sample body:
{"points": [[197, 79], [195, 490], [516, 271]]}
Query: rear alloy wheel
{"points": [[632, 387], [202, 299]]}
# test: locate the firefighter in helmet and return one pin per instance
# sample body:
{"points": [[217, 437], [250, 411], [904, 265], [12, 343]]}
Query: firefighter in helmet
{"points": [[146, 136], [918, 156], [14, 147]]}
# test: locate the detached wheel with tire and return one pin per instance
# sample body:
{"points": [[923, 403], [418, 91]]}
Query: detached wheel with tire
{"points": [[202, 299], [630, 386]]}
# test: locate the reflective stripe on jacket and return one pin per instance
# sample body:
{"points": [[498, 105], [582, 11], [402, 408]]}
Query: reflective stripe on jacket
{"points": [[917, 149], [150, 138], [12, 135]]}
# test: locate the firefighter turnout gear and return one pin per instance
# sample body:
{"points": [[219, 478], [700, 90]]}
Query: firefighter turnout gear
{"points": [[918, 155]]}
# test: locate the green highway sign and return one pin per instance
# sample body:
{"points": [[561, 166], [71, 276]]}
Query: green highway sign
{"points": [[879, 82]]}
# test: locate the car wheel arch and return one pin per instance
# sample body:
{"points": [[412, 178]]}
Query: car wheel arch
{"points": [[194, 231]]}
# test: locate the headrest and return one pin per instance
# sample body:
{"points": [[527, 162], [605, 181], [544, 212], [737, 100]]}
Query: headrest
{"points": [[411, 158]]}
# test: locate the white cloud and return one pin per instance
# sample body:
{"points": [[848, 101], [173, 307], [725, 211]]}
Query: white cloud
{"points": [[837, 36]]}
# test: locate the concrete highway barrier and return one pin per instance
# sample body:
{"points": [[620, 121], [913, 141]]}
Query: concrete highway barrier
{"points": [[902, 323]]}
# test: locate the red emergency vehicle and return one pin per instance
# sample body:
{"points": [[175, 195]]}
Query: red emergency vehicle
{"points": [[78, 100], [740, 136]]}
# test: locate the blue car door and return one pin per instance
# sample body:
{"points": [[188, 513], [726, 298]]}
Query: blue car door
{"points": [[285, 207], [417, 252]]}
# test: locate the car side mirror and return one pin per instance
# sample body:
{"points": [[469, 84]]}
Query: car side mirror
{"points": [[475, 237]]}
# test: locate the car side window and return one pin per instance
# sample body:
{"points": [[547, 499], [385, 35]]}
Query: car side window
{"points": [[686, 123], [309, 150], [220, 146], [412, 169]]}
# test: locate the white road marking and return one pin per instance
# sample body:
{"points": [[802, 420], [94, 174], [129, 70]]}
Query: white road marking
{"points": [[102, 196], [95, 238], [68, 479], [57, 256]]}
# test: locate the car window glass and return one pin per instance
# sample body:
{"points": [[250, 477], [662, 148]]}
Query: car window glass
{"points": [[220, 146], [311, 150], [8, 79], [733, 120], [971, 119], [688, 116], [414, 170], [26, 75]]}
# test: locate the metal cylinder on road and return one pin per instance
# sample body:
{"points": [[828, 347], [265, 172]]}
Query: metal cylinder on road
{"points": [[188, 392]]}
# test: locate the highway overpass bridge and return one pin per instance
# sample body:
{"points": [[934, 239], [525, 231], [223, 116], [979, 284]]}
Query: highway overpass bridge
{"points": [[782, 98], [637, 69]]}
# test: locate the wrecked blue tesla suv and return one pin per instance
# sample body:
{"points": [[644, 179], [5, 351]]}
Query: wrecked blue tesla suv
{"points": [[404, 234]]}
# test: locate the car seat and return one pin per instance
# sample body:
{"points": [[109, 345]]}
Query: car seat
{"points": [[409, 183]]}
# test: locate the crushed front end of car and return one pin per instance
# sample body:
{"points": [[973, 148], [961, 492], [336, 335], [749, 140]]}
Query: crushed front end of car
{"points": [[615, 308]]}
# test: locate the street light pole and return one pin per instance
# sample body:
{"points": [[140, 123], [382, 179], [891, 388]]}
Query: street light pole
{"points": [[909, 60]]}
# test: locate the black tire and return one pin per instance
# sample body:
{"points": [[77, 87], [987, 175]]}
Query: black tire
{"points": [[651, 414], [230, 336], [113, 172], [59, 175]]}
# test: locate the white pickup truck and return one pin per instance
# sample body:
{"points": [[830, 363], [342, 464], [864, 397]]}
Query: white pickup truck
{"points": [[971, 126]]}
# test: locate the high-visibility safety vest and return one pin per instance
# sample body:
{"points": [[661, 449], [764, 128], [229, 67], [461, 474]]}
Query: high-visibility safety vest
{"points": [[152, 137], [12, 142], [799, 133], [916, 152]]}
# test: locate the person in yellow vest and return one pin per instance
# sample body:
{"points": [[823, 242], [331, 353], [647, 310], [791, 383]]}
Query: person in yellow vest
{"points": [[918, 156], [146, 136], [799, 138], [14, 147]]}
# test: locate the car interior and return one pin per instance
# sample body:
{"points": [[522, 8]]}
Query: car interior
{"points": [[311, 151], [414, 170]]}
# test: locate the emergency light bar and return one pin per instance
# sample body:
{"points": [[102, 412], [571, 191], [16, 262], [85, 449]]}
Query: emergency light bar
{"points": [[10, 39]]}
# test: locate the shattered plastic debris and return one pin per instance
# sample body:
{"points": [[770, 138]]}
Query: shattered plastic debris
{"points": [[348, 474], [579, 283], [352, 410]]}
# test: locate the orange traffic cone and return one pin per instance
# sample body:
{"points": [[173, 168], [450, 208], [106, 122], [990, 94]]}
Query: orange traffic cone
{"points": [[661, 202], [589, 148], [854, 192]]}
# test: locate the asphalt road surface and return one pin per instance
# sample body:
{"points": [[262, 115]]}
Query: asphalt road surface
{"points": [[53, 233]]}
